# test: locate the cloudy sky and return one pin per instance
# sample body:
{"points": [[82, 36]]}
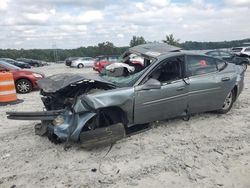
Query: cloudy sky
{"points": [[74, 23]]}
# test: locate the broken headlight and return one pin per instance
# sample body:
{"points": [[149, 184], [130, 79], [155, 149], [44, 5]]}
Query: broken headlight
{"points": [[58, 120]]}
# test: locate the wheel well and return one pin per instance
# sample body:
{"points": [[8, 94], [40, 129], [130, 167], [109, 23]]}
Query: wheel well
{"points": [[115, 113]]}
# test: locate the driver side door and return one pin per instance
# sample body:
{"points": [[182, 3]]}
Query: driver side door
{"points": [[168, 101]]}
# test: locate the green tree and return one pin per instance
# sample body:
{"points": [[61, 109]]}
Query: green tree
{"points": [[137, 41], [171, 40]]}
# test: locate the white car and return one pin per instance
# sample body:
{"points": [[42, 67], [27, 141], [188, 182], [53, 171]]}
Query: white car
{"points": [[83, 62], [241, 50]]}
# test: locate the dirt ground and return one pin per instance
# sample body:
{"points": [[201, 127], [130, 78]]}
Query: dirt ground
{"points": [[209, 150]]}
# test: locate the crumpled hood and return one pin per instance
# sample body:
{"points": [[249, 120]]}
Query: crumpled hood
{"points": [[57, 82]]}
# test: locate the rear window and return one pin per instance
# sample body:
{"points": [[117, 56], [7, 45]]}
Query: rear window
{"points": [[236, 49], [198, 65]]}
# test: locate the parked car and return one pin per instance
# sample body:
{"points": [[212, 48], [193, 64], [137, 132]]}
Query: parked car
{"points": [[92, 108], [104, 60], [31, 62], [16, 63], [25, 80], [69, 60], [83, 62], [230, 57], [241, 50]]}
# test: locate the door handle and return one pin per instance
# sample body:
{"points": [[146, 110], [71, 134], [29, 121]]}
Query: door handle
{"points": [[180, 88], [225, 79]]}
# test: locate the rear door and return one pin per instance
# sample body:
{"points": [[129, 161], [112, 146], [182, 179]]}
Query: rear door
{"points": [[205, 91]]}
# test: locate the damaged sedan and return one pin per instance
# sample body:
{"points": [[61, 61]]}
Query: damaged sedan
{"points": [[106, 107]]}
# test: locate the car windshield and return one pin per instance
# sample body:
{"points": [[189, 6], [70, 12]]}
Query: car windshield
{"points": [[126, 71], [123, 81], [9, 66]]}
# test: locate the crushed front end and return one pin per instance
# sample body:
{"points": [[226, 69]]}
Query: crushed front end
{"points": [[67, 117]]}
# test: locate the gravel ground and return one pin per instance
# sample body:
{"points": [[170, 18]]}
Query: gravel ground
{"points": [[209, 150]]}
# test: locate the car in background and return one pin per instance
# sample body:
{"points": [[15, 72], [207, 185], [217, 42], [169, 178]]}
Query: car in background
{"points": [[241, 50], [25, 80], [230, 57], [31, 62], [16, 63], [104, 60], [69, 60], [83, 62]]}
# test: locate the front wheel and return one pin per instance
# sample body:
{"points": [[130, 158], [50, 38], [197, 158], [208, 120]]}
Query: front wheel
{"points": [[23, 86], [80, 66], [228, 103]]}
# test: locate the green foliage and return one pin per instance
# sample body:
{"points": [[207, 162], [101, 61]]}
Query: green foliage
{"points": [[192, 45], [137, 41], [171, 40], [105, 48], [108, 48]]}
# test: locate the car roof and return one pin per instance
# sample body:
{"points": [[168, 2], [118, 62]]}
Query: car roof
{"points": [[219, 50], [154, 49]]}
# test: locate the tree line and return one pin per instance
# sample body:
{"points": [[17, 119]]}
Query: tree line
{"points": [[108, 48]]}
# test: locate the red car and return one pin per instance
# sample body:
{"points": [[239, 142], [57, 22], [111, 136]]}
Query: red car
{"points": [[25, 80], [102, 61]]}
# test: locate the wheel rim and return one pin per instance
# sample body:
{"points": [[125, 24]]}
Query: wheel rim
{"points": [[244, 66], [228, 101], [80, 66], [23, 86]]}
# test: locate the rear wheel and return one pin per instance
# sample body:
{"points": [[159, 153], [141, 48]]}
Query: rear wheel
{"points": [[80, 66], [23, 86], [228, 103], [244, 65]]}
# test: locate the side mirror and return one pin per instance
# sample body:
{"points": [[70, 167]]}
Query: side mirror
{"points": [[151, 84]]}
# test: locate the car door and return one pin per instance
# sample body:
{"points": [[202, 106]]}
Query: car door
{"points": [[205, 92], [169, 100]]}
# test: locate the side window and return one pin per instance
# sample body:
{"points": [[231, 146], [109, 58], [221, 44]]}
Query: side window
{"points": [[247, 50], [169, 70], [225, 54], [2, 68], [198, 65]]}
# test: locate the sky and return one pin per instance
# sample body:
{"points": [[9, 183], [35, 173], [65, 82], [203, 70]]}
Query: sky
{"points": [[73, 23]]}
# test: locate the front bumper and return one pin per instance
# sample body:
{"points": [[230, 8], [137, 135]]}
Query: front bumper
{"points": [[69, 130]]}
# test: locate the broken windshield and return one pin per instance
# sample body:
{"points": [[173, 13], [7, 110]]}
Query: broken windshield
{"points": [[123, 81], [127, 72]]}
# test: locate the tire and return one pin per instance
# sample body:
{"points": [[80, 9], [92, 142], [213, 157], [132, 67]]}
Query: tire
{"points": [[80, 66], [244, 65], [228, 103], [23, 86]]}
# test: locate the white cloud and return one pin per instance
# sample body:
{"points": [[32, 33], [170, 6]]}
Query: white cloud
{"points": [[158, 3], [73, 23], [238, 2], [4, 4], [37, 17]]}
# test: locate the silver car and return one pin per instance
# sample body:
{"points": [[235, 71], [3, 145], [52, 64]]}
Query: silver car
{"points": [[97, 108], [83, 62]]}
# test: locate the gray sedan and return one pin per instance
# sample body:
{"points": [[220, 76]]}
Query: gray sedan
{"points": [[171, 83]]}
